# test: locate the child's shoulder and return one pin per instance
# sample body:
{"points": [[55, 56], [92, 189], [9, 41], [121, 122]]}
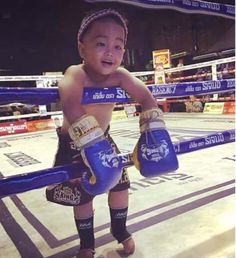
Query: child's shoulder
{"points": [[122, 73], [74, 70], [74, 76], [121, 70]]}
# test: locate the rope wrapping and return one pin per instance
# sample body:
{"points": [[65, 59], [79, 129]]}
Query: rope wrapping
{"points": [[44, 96], [37, 96], [190, 6], [34, 180]]}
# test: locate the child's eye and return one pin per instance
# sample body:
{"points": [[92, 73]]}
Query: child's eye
{"points": [[100, 44], [118, 47]]}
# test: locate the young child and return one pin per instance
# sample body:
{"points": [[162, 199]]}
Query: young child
{"points": [[101, 44]]}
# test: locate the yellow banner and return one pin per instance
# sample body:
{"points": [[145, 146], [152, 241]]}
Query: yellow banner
{"points": [[161, 58], [214, 108]]}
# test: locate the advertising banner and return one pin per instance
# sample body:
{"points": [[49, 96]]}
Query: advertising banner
{"points": [[15, 127], [214, 108], [161, 58], [40, 125], [229, 108]]}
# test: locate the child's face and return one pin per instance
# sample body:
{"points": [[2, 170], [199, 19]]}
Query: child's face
{"points": [[103, 47]]}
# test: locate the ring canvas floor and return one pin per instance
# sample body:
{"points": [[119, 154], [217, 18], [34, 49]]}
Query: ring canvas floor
{"points": [[189, 213]]}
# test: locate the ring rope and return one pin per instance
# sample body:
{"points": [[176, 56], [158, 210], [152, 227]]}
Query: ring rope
{"points": [[43, 96], [190, 6], [142, 73], [196, 76], [39, 114], [34, 180]]}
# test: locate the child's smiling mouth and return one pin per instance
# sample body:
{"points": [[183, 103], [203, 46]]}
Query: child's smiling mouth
{"points": [[107, 63]]}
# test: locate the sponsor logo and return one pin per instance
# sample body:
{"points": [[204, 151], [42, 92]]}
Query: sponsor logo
{"points": [[121, 94], [231, 83], [179, 178], [126, 159], [210, 6], [21, 159], [98, 95], [121, 215], [230, 9], [85, 225], [232, 135], [67, 195], [211, 85], [190, 3], [218, 138], [109, 158], [12, 128], [155, 152], [170, 89]]}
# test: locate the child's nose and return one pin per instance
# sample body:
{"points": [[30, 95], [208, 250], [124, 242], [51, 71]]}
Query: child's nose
{"points": [[109, 52]]}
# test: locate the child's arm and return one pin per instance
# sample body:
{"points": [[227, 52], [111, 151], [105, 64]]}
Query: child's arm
{"points": [[71, 92], [88, 136], [154, 153], [136, 89]]}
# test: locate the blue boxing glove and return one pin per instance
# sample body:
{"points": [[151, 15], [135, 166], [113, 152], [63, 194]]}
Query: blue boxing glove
{"points": [[154, 153], [98, 155]]}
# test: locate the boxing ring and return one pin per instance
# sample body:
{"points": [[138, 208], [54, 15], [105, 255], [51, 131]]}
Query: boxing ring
{"points": [[187, 213], [44, 96], [29, 183]]}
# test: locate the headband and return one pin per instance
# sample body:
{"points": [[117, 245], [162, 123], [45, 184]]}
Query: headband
{"points": [[99, 14]]}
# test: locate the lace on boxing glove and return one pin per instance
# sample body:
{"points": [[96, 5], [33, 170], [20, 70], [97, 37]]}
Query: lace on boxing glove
{"points": [[151, 119], [154, 153]]}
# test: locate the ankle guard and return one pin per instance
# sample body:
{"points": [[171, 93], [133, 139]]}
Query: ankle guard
{"points": [[118, 224], [86, 233]]}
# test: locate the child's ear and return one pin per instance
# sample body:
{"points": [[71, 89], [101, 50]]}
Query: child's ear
{"points": [[81, 49]]}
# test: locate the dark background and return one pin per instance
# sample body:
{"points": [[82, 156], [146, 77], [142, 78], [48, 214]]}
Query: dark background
{"points": [[40, 35]]}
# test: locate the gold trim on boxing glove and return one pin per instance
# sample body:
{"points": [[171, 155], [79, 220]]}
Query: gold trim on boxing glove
{"points": [[134, 157], [84, 130], [84, 125], [92, 180]]}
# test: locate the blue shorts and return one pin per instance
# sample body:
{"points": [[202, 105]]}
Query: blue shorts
{"points": [[73, 194]]}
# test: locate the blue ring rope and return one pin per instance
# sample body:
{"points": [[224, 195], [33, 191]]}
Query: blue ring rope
{"points": [[38, 179], [44, 96], [190, 6], [29, 181]]}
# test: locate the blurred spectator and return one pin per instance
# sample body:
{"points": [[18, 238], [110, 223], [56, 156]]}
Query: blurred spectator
{"points": [[35, 109], [6, 111], [181, 62], [200, 74], [197, 106], [226, 71], [189, 106], [149, 66], [232, 96], [15, 110], [193, 105], [203, 74], [208, 74]]}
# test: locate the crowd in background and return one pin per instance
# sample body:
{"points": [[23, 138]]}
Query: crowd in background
{"points": [[17, 109], [191, 104]]}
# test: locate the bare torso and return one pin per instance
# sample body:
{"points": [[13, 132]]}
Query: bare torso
{"points": [[102, 111], [71, 93]]}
